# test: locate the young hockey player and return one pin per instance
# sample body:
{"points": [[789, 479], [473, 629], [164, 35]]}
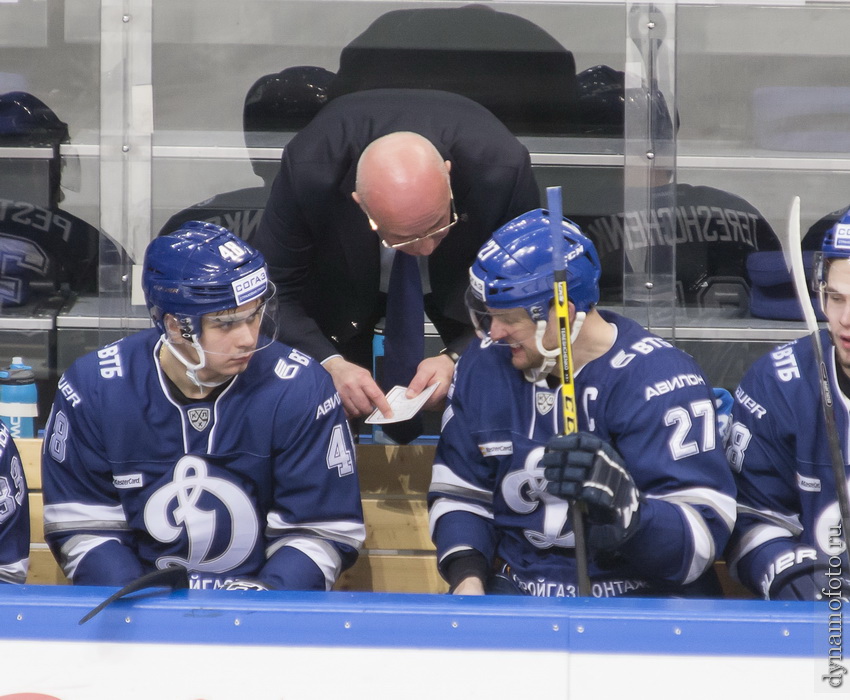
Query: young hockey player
{"points": [[202, 442], [788, 543]]}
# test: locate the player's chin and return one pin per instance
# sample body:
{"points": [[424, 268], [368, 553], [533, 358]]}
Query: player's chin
{"points": [[519, 358], [236, 365]]}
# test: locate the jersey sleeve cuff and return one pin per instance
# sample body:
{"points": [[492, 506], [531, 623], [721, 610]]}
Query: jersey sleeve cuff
{"points": [[461, 565]]}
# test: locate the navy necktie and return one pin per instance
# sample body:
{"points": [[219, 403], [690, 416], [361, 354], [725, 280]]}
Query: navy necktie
{"points": [[404, 342]]}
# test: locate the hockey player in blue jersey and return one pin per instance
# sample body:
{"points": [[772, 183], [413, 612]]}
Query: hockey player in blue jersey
{"points": [[14, 512], [646, 420], [788, 543], [202, 442]]}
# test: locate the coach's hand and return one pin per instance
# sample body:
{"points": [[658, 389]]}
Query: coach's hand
{"points": [[430, 371], [357, 389], [583, 468]]}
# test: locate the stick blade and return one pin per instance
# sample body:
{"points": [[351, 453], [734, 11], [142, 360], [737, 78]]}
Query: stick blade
{"points": [[793, 252]]}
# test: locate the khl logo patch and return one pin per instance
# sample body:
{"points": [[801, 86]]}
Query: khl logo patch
{"points": [[199, 418], [545, 402]]}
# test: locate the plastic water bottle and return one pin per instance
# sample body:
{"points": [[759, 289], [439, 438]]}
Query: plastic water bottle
{"points": [[18, 398]]}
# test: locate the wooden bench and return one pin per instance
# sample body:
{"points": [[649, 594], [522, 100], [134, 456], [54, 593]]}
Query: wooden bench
{"points": [[398, 556]]}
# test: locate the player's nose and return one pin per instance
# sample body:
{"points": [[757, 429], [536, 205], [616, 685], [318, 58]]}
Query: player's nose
{"points": [[498, 330], [245, 336]]}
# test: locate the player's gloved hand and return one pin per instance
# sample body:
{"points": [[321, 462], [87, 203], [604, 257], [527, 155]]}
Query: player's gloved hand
{"points": [[246, 584], [804, 573], [584, 468]]}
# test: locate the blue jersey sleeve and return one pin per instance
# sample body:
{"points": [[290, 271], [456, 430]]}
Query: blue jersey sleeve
{"points": [[315, 528], [661, 417], [785, 487], [84, 521], [14, 512], [460, 498]]}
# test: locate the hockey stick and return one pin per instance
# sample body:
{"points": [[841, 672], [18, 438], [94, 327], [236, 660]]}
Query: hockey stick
{"points": [[568, 390], [794, 261]]}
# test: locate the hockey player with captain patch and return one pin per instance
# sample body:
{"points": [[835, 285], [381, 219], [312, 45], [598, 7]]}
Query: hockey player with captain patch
{"points": [[788, 543], [647, 461], [202, 442]]}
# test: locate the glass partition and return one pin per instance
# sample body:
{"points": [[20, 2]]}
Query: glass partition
{"points": [[678, 131]]}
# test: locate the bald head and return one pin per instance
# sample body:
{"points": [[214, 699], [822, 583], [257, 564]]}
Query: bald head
{"points": [[403, 185]]}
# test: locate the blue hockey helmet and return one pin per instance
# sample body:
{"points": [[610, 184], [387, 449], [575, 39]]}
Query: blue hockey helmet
{"points": [[514, 268], [198, 269], [835, 246]]}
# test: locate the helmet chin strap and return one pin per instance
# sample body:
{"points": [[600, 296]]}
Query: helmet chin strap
{"points": [[535, 374], [191, 367]]}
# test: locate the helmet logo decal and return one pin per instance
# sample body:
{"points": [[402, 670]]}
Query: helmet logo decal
{"points": [[199, 418], [842, 236], [250, 287]]}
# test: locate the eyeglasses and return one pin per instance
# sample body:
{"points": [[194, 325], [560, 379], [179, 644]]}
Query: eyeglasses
{"points": [[395, 246]]}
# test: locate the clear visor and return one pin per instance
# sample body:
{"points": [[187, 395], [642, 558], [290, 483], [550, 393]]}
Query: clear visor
{"points": [[821, 265], [819, 271], [835, 292], [501, 326], [246, 329]]}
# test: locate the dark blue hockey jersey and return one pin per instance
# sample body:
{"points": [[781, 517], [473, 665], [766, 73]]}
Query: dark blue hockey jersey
{"points": [[650, 401], [260, 482], [779, 449], [14, 513]]}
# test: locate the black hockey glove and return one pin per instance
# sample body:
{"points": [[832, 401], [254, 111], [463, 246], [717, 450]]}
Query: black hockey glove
{"points": [[583, 468], [804, 573]]}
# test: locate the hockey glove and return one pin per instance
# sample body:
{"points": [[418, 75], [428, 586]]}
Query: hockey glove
{"points": [[246, 584], [803, 573], [583, 468]]}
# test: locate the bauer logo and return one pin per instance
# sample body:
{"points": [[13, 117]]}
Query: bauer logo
{"points": [[842, 236], [250, 287]]}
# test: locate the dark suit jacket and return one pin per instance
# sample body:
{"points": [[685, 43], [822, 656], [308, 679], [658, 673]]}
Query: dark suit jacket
{"points": [[322, 254]]}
